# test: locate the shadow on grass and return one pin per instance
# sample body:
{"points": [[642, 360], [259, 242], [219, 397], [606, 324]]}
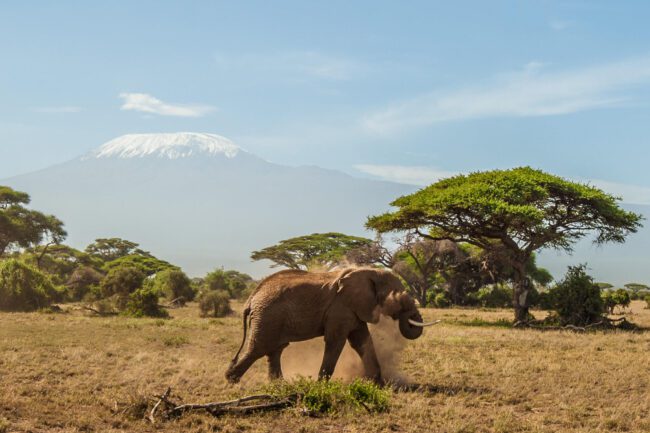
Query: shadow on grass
{"points": [[499, 323], [428, 388]]}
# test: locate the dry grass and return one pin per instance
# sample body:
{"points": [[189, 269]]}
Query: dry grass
{"points": [[72, 373]]}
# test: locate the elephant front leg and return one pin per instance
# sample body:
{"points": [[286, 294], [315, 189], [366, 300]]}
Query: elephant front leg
{"points": [[275, 367], [361, 342], [333, 348]]}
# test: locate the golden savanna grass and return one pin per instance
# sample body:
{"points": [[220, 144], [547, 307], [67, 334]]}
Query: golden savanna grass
{"points": [[73, 373]]}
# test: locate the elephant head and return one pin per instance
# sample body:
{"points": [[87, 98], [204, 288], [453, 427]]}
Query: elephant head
{"points": [[371, 292]]}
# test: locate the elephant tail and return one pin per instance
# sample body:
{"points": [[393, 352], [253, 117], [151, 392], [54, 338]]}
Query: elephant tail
{"points": [[246, 314]]}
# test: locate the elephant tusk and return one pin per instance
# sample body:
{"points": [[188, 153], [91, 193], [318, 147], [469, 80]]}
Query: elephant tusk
{"points": [[422, 325]]}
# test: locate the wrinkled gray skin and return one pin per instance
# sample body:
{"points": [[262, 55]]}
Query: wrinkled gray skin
{"points": [[294, 305]]}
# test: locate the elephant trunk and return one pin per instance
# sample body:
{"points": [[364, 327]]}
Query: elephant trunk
{"points": [[406, 328]]}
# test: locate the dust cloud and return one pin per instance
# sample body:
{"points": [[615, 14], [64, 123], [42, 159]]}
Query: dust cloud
{"points": [[304, 358]]}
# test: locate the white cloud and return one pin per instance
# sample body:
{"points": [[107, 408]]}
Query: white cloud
{"points": [[146, 103], [59, 109], [527, 93], [631, 194], [411, 175]]}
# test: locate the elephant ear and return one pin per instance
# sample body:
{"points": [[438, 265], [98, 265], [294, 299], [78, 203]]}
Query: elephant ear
{"points": [[363, 291]]}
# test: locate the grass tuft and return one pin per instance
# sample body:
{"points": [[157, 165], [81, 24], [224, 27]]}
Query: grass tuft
{"points": [[476, 321], [333, 396]]}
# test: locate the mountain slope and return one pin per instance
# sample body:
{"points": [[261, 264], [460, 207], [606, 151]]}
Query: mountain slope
{"points": [[198, 200]]}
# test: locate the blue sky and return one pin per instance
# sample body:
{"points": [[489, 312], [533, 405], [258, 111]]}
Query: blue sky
{"points": [[406, 91]]}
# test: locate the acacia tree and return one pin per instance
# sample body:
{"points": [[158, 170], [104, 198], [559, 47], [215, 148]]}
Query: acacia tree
{"points": [[421, 263], [23, 228], [109, 249], [510, 213], [304, 252], [425, 264]]}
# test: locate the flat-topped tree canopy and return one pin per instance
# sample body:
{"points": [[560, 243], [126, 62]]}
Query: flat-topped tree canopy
{"points": [[516, 211]]}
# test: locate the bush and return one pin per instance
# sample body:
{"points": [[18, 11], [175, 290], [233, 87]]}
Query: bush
{"points": [[24, 288], [647, 301], [576, 299], [439, 300], [144, 303], [121, 281], [214, 303], [81, 282], [331, 396], [173, 284], [612, 299], [495, 296], [235, 283]]}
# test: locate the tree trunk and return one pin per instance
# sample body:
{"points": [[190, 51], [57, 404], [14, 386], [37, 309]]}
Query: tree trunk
{"points": [[520, 293]]}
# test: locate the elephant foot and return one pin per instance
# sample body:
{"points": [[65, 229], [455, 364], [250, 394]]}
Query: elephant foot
{"points": [[232, 377]]}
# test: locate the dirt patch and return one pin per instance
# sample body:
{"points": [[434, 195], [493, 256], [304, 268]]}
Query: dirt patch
{"points": [[304, 358]]}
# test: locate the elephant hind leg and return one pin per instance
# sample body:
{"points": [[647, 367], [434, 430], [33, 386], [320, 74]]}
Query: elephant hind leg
{"points": [[361, 342], [241, 365], [275, 366]]}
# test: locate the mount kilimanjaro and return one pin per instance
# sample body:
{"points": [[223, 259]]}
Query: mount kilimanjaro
{"points": [[198, 200]]}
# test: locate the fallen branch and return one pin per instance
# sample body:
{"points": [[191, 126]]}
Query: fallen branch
{"points": [[174, 303], [89, 308], [171, 409], [604, 324], [155, 407]]}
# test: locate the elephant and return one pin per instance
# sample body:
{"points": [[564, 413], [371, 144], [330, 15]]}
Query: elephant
{"points": [[296, 305]]}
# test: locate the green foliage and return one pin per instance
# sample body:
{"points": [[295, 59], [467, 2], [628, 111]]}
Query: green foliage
{"points": [[82, 282], [144, 303], [23, 228], [235, 283], [24, 288], [615, 298], [332, 396], [520, 203], [647, 301], [304, 252], [495, 296], [121, 282], [173, 284], [438, 299], [576, 299], [109, 249], [214, 303], [58, 261], [635, 287], [148, 264], [510, 214]]}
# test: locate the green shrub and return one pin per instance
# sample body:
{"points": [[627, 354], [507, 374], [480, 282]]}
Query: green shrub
{"points": [[369, 395], [81, 282], [440, 300], [613, 299], [576, 299], [647, 301], [121, 281], [144, 303], [214, 303], [173, 284], [236, 284], [25, 288], [331, 396], [495, 296]]}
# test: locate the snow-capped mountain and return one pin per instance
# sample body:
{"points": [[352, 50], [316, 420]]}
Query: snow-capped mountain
{"points": [[171, 146], [198, 200]]}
